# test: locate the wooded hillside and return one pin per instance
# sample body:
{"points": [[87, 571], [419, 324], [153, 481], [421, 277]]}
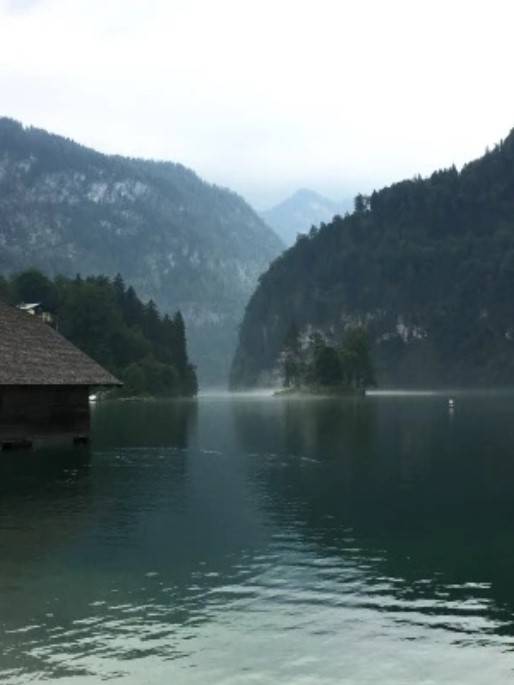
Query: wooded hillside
{"points": [[426, 265]]}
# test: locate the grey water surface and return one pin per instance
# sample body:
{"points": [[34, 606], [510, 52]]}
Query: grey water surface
{"points": [[264, 540]]}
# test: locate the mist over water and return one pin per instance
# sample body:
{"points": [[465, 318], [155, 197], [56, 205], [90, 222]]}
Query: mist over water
{"points": [[265, 540]]}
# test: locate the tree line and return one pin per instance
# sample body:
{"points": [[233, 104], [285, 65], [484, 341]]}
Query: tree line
{"points": [[107, 320], [315, 363]]}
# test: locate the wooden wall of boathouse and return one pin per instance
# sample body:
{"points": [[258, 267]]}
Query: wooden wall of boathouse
{"points": [[43, 411]]}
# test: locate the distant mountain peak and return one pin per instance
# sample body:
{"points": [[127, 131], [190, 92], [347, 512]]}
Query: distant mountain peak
{"points": [[307, 193], [301, 210]]}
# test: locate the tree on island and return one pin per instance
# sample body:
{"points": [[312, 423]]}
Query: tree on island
{"points": [[318, 364], [355, 359], [291, 358], [327, 367]]}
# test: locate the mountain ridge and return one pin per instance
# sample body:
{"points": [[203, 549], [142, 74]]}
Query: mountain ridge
{"points": [[177, 239], [427, 265]]}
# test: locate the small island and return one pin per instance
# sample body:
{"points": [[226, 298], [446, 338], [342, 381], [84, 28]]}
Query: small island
{"points": [[312, 366]]}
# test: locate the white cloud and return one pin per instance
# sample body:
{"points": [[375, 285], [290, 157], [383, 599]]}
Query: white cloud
{"points": [[267, 96], [18, 5]]}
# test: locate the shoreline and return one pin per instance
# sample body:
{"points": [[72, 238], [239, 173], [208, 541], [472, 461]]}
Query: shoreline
{"points": [[320, 391]]}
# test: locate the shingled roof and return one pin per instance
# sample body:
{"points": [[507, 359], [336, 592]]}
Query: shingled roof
{"points": [[33, 353]]}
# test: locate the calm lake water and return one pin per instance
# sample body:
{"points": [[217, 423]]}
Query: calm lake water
{"points": [[265, 541]]}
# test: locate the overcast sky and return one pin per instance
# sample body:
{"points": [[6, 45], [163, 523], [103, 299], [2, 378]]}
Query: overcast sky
{"points": [[266, 96]]}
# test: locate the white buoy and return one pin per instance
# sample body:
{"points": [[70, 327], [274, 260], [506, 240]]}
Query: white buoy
{"points": [[92, 398], [451, 402]]}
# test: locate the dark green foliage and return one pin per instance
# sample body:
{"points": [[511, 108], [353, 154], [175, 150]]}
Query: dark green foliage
{"points": [[109, 322], [189, 381], [33, 286], [4, 289], [354, 355], [426, 264], [134, 379], [327, 367], [180, 341], [320, 364], [292, 362]]}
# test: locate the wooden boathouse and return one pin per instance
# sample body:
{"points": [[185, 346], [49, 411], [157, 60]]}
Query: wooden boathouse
{"points": [[45, 382]]}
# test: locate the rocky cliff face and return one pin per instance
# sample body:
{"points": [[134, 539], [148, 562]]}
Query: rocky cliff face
{"points": [[178, 240], [427, 265]]}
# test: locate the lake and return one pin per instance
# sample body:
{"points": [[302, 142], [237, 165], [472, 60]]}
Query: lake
{"points": [[266, 541]]}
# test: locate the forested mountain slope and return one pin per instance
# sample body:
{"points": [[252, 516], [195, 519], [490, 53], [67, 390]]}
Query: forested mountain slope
{"points": [[427, 265], [184, 243]]}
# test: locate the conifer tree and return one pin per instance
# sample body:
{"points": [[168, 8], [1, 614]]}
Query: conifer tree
{"points": [[180, 353], [110, 323]]}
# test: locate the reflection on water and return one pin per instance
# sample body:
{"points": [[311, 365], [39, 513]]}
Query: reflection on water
{"points": [[264, 540], [144, 423]]}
